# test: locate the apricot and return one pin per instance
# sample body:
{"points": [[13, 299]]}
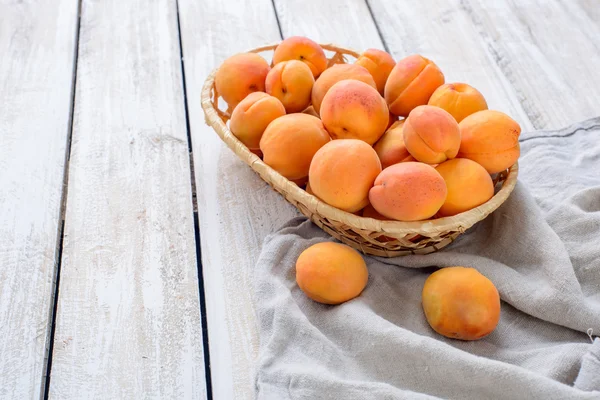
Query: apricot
{"points": [[411, 83], [469, 185], [309, 190], [390, 148], [370, 212], [251, 117], [257, 152], [392, 120], [291, 82], [431, 135], [490, 138], [302, 49], [240, 75], [333, 75], [409, 191], [461, 303], [311, 111], [331, 273], [352, 109], [459, 99], [379, 63], [290, 142], [342, 172]]}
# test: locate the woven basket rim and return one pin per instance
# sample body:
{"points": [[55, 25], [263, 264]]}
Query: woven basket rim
{"points": [[460, 222]]}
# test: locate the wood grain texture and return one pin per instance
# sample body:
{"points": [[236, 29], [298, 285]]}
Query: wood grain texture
{"points": [[586, 15], [37, 50], [346, 23], [590, 7], [443, 31], [549, 56], [128, 320], [236, 209]]}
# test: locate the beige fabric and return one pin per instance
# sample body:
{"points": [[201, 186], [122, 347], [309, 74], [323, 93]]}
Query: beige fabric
{"points": [[541, 249]]}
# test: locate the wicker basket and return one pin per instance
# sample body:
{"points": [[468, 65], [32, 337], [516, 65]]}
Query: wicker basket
{"points": [[370, 236]]}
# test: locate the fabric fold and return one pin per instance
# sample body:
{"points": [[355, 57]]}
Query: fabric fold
{"points": [[541, 249]]}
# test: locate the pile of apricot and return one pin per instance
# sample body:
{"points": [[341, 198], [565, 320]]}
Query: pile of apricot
{"points": [[382, 139], [378, 138]]}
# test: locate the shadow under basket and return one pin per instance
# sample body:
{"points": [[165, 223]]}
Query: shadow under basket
{"points": [[370, 236]]}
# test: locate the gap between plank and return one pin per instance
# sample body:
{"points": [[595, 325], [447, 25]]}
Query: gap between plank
{"points": [[277, 19], [44, 392], [385, 46], [203, 318]]}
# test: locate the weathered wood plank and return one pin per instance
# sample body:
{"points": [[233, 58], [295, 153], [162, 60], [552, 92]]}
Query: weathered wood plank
{"points": [[128, 320], [586, 16], [590, 7], [37, 51], [236, 209], [346, 23], [546, 54], [443, 31]]}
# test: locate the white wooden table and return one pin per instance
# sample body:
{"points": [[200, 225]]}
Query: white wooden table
{"points": [[111, 284]]}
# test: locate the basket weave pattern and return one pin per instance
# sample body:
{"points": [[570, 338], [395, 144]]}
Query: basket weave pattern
{"points": [[370, 236]]}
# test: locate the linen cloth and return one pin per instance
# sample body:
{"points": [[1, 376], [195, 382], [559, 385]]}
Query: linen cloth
{"points": [[542, 251]]}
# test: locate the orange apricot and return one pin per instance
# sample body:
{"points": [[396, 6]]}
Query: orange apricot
{"points": [[251, 117], [392, 120], [461, 303], [409, 191], [469, 185], [331, 273], [302, 49], [342, 172], [459, 99], [309, 190], [379, 63], [352, 109], [240, 75], [370, 212], [411, 83], [431, 135], [290, 142], [257, 152], [291, 82], [310, 110], [390, 147], [333, 75], [490, 138]]}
